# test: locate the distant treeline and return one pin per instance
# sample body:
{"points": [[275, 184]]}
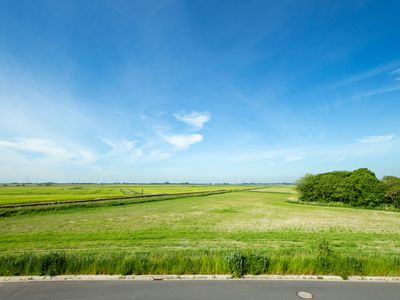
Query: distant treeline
{"points": [[357, 188]]}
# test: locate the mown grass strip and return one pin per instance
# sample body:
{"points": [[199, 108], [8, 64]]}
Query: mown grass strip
{"points": [[22, 209], [55, 202]]}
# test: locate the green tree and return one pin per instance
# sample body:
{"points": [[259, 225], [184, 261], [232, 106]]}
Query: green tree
{"points": [[364, 188], [391, 186], [307, 188], [358, 188]]}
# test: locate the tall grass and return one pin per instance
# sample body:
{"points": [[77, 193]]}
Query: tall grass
{"points": [[194, 262]]}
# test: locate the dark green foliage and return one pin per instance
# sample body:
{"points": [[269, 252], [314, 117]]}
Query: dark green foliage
{"points": [[239, 264], [391, 186], [256, 264], [236, 263], [326, 258], [53, 264], [324, 249], [357, 188], [396, 260], [353, 265]]}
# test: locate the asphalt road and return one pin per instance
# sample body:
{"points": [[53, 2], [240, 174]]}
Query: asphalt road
{"points": [[192, 289]]}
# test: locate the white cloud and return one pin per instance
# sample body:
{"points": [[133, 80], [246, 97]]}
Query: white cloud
{"points": [[183, 141], [194, 118], [376, 139], [293, 158], [157, 155], [49, 148], [120, 147], [42, 146]]}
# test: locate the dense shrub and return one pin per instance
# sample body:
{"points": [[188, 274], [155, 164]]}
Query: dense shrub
{"points": [[256, 264], [357, 188], [236, 263], [239, 264]]}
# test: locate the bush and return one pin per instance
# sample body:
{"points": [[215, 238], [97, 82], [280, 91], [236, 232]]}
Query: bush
{"points": [[256, 264], [236, 264], [52, 264], [326, 258], [239, 264], [353, 265]]}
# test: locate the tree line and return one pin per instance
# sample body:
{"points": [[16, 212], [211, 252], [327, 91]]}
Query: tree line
{"points": [[357, 188]]}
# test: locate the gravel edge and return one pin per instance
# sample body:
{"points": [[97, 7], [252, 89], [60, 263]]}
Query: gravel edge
{"points": [[196, 277]]}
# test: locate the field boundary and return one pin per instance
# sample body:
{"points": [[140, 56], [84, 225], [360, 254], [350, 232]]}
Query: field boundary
{"points": [[197, 277], [339, 205]]}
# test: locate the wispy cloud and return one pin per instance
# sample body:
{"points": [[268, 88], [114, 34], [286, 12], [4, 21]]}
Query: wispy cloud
{"points": [[397, 71], [362, 95], [50, 149], [384, 69], [194, 118], [376, 139], [293, 158], [378, 92], [396, 74], [122, 147], [328, 153], [128, 152], [182, 141], [391, 69]]}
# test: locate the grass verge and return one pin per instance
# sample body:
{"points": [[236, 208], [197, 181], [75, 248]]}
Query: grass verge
{"points": [[235, 263]]}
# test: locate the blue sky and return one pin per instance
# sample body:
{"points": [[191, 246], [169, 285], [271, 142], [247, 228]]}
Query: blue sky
{"points": [[199, 91]]}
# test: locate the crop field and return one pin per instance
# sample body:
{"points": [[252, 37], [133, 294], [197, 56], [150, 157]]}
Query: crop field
{"points": [[14, 194], [206, 228]]}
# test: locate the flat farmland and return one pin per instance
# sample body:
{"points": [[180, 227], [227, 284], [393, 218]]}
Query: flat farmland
{"points": [[16, 194], [259, 221], [236, 220]]}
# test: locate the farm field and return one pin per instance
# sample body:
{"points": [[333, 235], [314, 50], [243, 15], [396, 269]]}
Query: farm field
{"points": [[207, 227], [15, 194]]}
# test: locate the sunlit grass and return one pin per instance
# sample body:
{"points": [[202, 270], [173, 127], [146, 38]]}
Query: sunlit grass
{"points": [[14, 194], [200, 231]]}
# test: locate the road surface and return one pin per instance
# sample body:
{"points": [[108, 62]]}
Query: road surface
{"points": [[199, 289]]}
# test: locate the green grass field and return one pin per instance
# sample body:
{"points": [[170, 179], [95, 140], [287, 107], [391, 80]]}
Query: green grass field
{"points": [[15, 194], [204, 229]]}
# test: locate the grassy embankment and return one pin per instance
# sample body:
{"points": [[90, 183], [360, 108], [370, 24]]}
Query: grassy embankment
{"points": [[237, 232]]}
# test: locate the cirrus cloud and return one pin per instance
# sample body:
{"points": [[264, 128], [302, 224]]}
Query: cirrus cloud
{"points": [[376, 139], [52, 150], [183, 141], [194, 118]]}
